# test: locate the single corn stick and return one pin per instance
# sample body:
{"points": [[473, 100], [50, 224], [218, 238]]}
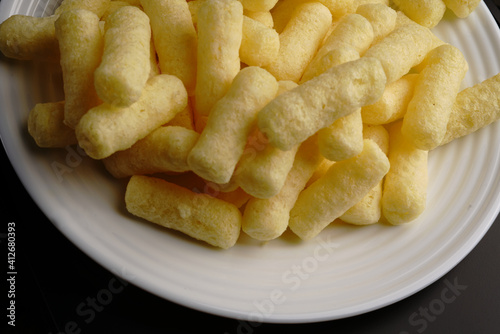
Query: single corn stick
{"points": [[258, 5], [106, 129], [46, 125], [393, 103], [402, 49], [125, 66], [259, 45], [174, 38], [200, 216], [474, 108], [300, 40], [427, 13], [436, 89], [369, 209], [282, 12], [81, 47], [297, 114], [344, 184], [163, 150], [263, 168], [382, 18], [220, 25], [405, 186], [462, 8], [99, 7], [343, 139], [267, 219], [222, 142]]}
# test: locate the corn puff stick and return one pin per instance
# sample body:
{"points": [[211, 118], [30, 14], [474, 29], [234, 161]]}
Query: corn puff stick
{"points": [[99, 7], [300, 40], [369, 209], [340, 8], [295, 115], [462, 8], [259, 45], [175, 38], [267, 219], [343, 139], [263, 17], [183, 118], [220, 25], [405, 186], [402, 49], [200, 216], [125, 65], [81, 47], [393, 103], [106, 129], [258, 5], [381, 17], [474, 108], [332, 58], [344, 184], [282, 12], [222, 142], [163, 150], [46, 125], [427, 13], [436, 89], [263, 168]]}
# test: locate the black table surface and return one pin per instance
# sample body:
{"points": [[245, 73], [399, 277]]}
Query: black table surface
{"points": [[57, 285]]}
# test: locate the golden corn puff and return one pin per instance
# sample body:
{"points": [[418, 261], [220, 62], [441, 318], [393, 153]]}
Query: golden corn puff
{"points": [[200, 216], [81, 47], [474, 108], [462, 8], [344, 184], [381, 17], [99, 7], [337, 56], [402, 49], [300, 40], [263, 17], [125, 66], [267, 219], [405, 186], [222, 141], [163, 150], [393, 103], [436, 89], [427, 13], [184, 118], [259, 45], [282, 12], [297, 114], [369, 209], [220, 25], [175, 39], [258, 5], [46, 125], [106, 129]]}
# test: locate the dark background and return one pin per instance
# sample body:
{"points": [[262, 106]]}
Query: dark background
{"points": [[57, 287]]}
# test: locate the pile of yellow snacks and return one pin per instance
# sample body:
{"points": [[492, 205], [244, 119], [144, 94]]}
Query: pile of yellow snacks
{"points": [[285, 113]]}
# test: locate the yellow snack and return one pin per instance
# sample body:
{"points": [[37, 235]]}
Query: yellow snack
{"points": [[343, 139], [113, 6], [175, 38], [267, 219], [369, 209], [220, 25], [297, 114], [163, 150], [300, 40], [106, 129], [393, 103], [99, 7], [222, 142], [344, 184], [405, 186], [462, 8], [45, 125], [382, 18], [474, 108], [282, 12], [200, 216], [341, 8], [436, 89], [264, 17], [183, 118], [427, 13], [332, 58], [81, 47], [259, 45], [402, 49], [125, 66], [258, 5]]}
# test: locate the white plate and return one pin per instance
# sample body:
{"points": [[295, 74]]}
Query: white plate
{"points": [[344, 272]]}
